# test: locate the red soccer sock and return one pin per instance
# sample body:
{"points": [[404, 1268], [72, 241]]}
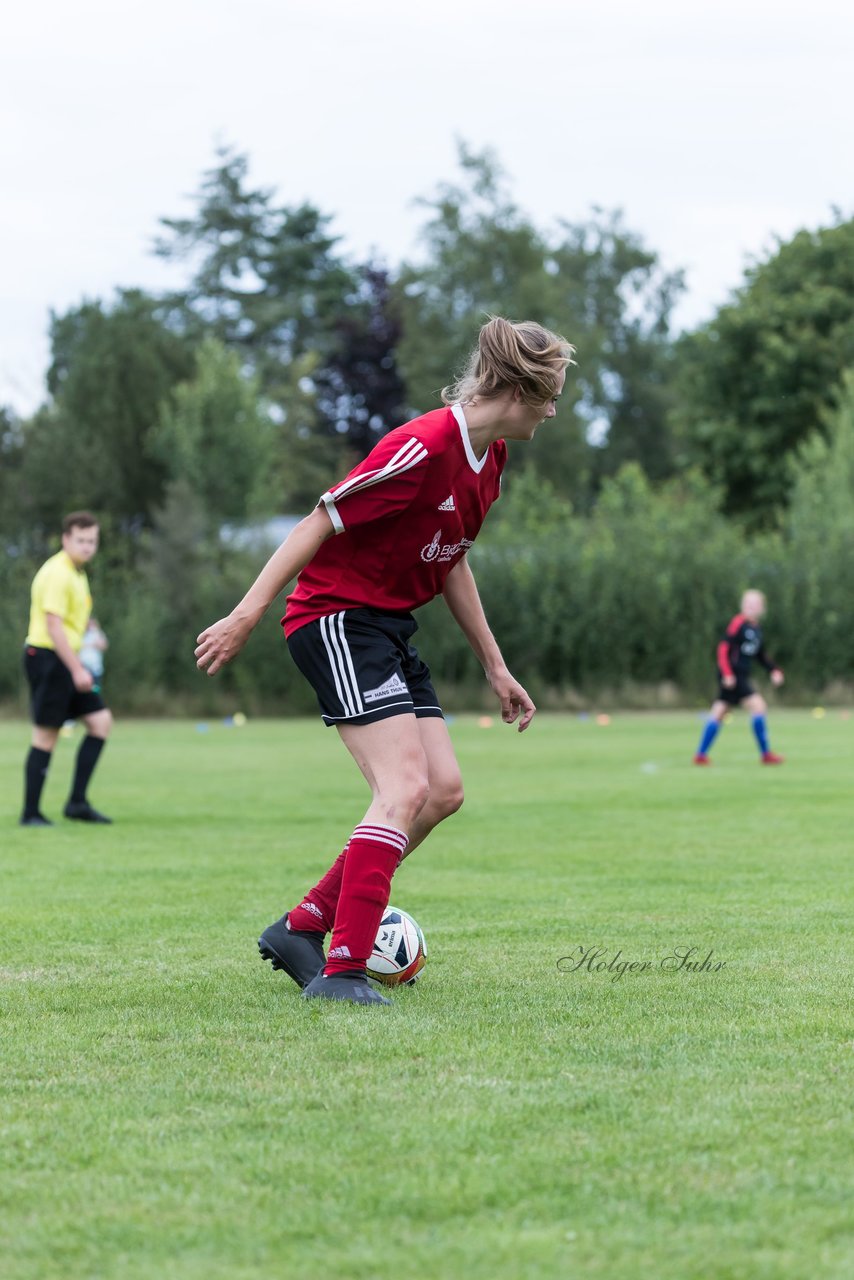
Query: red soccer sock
{"points": [[316, 912], [372, 859]]}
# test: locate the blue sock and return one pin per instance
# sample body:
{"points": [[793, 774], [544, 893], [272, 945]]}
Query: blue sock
{"points": [[760, 728], [710, 732]]}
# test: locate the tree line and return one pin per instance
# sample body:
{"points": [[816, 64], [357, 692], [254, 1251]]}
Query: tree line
{"points": [[682, 467]]}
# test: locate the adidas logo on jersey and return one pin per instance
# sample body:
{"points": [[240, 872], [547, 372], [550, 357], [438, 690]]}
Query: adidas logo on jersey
{"points": [[448, 504]]}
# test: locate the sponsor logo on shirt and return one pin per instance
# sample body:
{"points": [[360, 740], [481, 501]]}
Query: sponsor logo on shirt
{"points": [[448, 504], [436, 550], [750, 644], [393, 685]]}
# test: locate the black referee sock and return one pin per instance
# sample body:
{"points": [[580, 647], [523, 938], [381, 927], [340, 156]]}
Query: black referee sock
{"points": [[35, 772], [87, 758]]}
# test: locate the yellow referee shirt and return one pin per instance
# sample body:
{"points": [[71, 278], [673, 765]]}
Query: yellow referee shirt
{"points": [[59, 587]]}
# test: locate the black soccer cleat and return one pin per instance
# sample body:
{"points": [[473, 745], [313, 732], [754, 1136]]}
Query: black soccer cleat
{"points": [[82, 811], [298, 953], [343, 986], [34, 820]]}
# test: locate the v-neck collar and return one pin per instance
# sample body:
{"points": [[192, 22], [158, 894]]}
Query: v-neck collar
{"points": [[476, 464]]}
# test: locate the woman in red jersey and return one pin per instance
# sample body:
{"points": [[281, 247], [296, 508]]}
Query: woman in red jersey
{"points": [[385, 540]]}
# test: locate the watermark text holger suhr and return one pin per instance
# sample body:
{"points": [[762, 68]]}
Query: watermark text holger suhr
{"points": [[680, 959]]}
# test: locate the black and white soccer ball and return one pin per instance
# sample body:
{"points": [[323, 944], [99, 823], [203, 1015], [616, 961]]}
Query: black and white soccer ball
{"points": [[400, 949]]}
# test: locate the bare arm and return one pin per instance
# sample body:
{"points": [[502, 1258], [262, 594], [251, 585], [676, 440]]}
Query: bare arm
{"points": [[82, 678], [463, 600], [221, 642]]}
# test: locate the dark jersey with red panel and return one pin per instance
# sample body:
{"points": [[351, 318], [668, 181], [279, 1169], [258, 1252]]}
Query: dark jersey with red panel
{"points": [[740, 645], [403, 518]]}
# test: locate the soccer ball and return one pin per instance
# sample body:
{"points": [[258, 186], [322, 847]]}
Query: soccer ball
{"points": [[400, 949]]}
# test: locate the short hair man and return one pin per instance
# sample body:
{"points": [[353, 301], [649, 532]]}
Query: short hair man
{"points": [[738, 647], [60, 686]]}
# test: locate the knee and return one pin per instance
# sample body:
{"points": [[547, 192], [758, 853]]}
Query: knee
{"points": [[405, 801], [100, 723], [44, 739], [759, 706], [418, 791], [448, 799]]}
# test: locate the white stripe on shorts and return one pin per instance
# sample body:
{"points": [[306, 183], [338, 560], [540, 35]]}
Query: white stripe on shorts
{"points": [[403, 702], [348, 657], [342, 669]]}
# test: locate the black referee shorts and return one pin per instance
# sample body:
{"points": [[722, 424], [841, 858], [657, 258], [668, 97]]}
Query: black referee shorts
{"points": [[363, 668], [53, 697]]}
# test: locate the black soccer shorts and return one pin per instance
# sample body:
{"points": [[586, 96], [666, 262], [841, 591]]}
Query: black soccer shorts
{"points": [[363, 668], [53, 697], [741, 689]]}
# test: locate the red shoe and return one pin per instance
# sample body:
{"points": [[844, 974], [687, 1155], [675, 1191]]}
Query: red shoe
{"points": [[769, 757], [701, 759]]}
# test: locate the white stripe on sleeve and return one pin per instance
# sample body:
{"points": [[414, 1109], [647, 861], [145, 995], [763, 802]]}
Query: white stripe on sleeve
{"points": [[408, 456]]}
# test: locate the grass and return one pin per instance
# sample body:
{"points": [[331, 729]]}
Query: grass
{"points": [[171, 1109]]}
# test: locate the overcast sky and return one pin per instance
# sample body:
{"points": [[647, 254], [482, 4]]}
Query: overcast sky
{"points": [[714, 126]]}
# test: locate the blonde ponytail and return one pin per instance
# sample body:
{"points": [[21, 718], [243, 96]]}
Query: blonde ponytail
{"points": [[523, 355]]}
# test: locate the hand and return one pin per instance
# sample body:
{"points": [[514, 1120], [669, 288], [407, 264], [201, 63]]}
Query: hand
{"points": [[777, 678], [221, 643], [729, 682], [83, 679], [515, 702]]}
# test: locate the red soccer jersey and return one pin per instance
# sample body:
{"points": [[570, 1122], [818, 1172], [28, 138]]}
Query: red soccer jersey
{"points": [[403, 518]]}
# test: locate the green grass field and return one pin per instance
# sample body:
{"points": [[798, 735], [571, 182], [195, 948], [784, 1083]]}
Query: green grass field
{"points": [[172, 1109]]}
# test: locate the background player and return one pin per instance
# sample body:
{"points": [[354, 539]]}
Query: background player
{"points": [[736, 651], [60, 686], [403, 521], [95, 645]]}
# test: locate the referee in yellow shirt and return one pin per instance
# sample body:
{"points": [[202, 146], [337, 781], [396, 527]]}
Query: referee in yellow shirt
{"points": [[60, 686]]}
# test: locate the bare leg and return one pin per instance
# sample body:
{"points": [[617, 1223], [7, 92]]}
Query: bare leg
{"points": [[446, 784], [394, 765], [99, 723], [316, 912]]}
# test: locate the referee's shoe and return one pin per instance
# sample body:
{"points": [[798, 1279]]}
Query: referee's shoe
{"points": [[299, 954], [82, 811]]}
